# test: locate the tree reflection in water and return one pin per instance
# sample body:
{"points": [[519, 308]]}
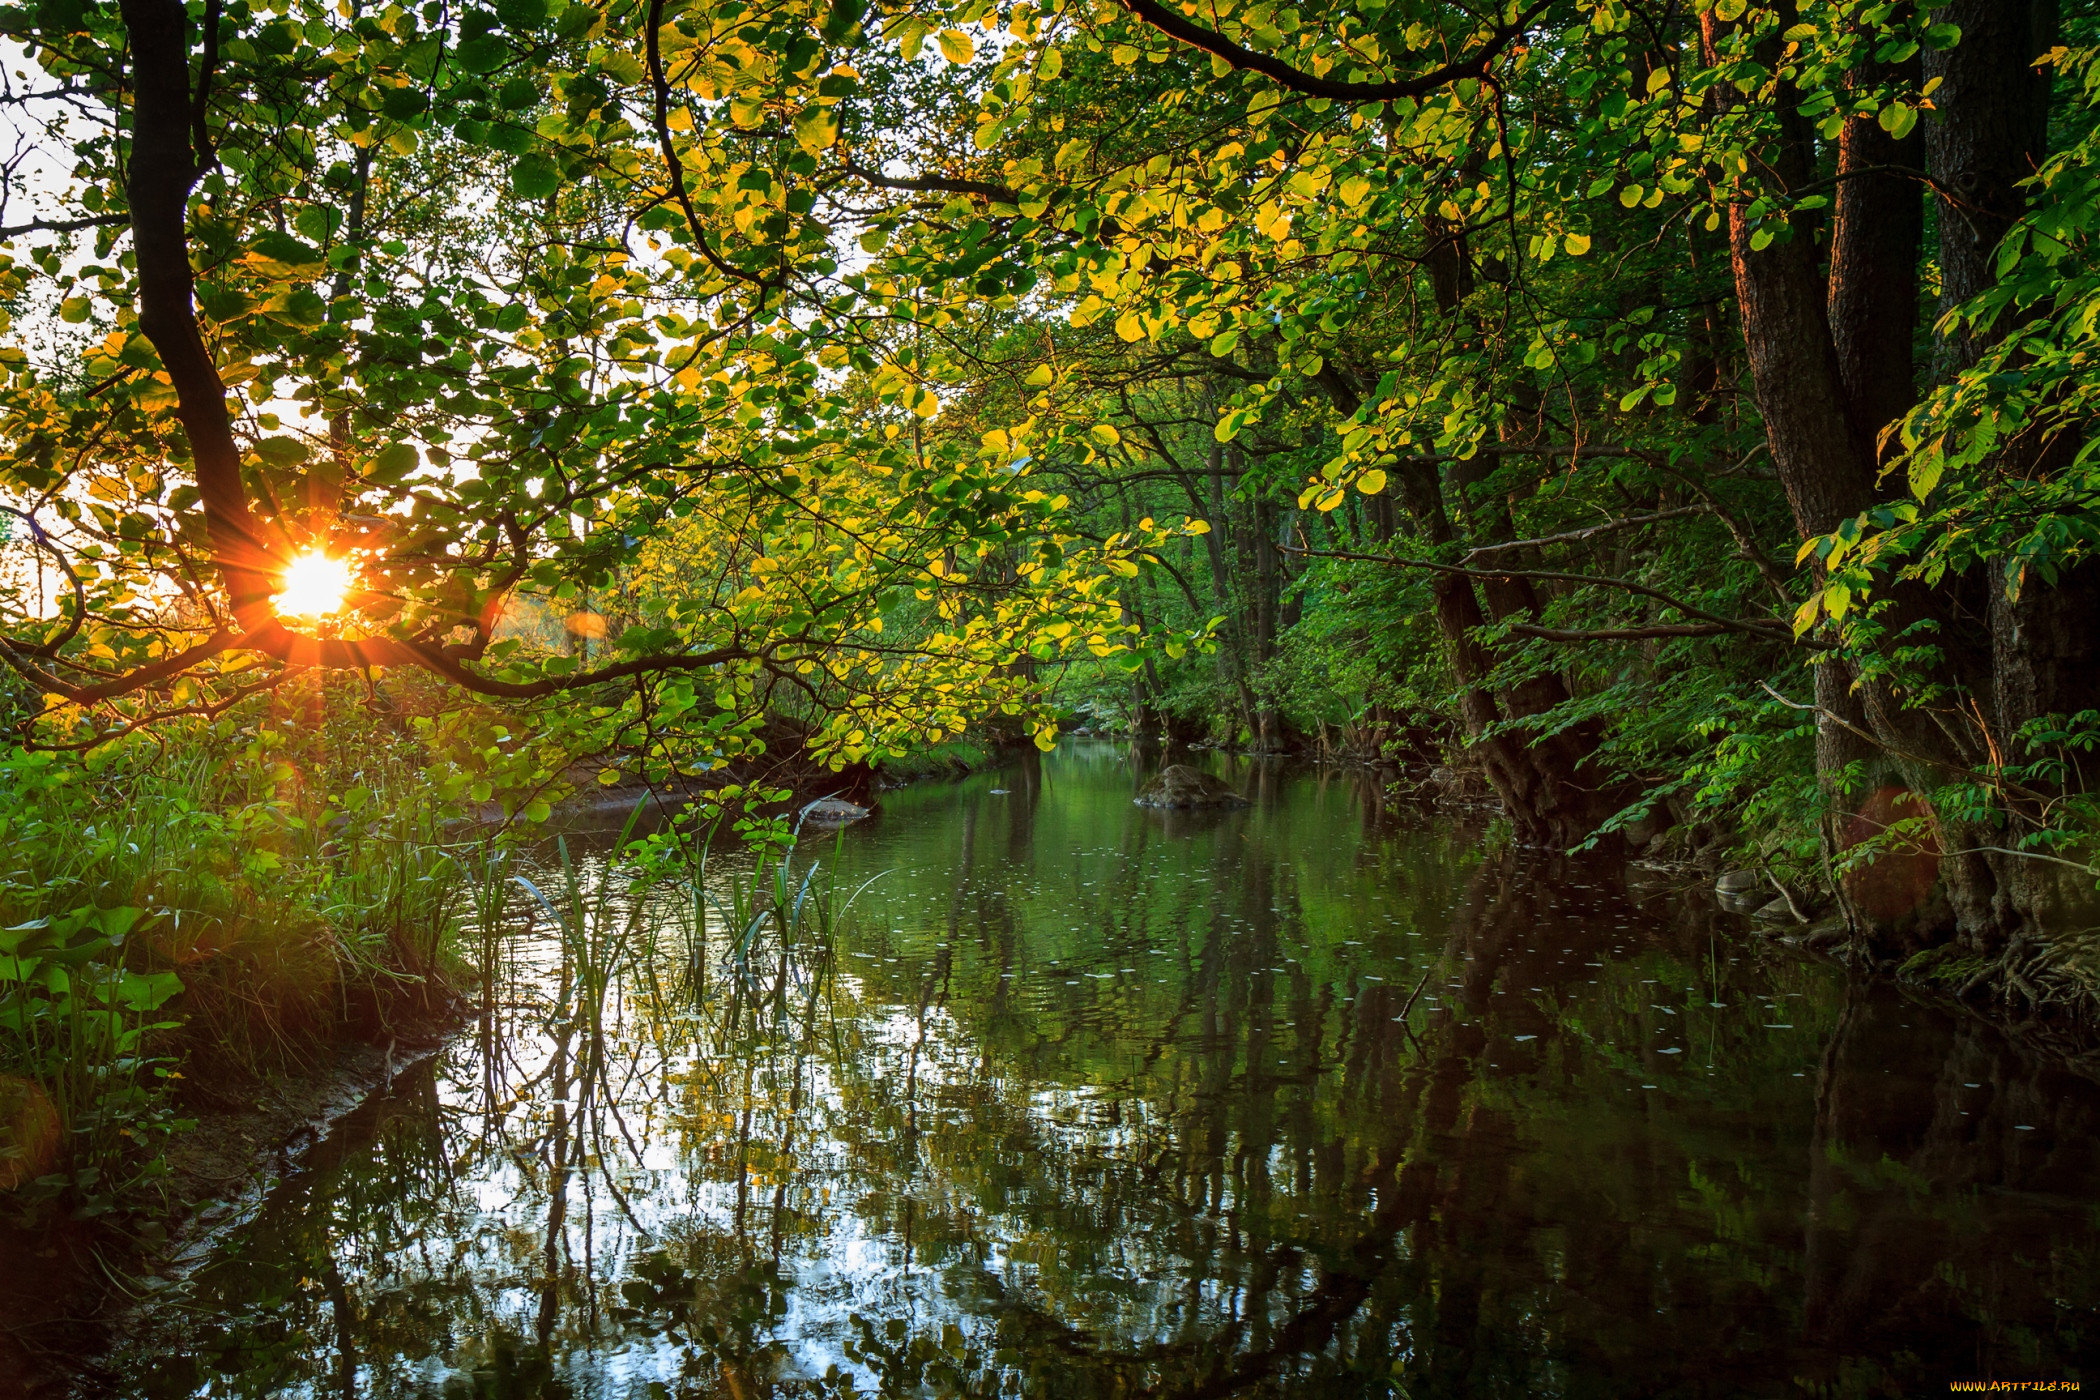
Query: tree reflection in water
{"points": [[1082, 1100]]}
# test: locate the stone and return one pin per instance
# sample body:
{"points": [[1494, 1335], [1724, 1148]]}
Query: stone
{"points": [[1178, 785], [832, 812], [1738, 882]]}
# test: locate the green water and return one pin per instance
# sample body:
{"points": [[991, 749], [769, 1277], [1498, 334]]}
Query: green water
{"points": [[1084, 1100]]}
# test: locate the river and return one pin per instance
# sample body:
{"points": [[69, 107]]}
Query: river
{"points": [[1077, 1099]]}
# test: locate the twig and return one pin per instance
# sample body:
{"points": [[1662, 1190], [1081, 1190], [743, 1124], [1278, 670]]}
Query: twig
{"points": [[1577, 536], [1772, 630], [1787, 895], [1850, 728]]}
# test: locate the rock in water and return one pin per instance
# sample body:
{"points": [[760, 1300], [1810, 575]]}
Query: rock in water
{"points": [[1178, 785], [832, 811]]}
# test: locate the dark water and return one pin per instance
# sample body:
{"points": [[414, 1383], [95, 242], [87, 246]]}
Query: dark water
{"points": [[1084, 1100]]}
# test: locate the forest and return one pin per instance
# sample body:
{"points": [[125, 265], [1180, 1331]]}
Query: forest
{"points": [[1660, 427]]}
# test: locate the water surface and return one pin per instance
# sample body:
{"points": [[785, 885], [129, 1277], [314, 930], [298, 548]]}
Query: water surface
{"points": [[1081, 1100]]}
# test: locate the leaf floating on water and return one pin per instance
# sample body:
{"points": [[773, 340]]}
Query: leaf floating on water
{"points": [[1674, 1050], [1522, 1038]]}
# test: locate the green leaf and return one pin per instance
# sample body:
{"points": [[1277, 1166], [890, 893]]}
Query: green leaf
{"points": [[403, 104], [484, 54], [535, 175], [282, 451], [223, 303], [280, 255], [393, 463], [522, 16], [141, 992]]}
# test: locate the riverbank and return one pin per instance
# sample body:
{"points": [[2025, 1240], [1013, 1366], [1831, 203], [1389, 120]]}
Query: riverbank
{"points": [[69, 1289]]}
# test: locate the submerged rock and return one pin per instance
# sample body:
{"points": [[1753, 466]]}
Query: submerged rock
{"points": [[1178, 785], [832, 811]]}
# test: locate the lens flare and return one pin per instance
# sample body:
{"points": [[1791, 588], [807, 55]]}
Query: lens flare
{"points": [[315, 586]]}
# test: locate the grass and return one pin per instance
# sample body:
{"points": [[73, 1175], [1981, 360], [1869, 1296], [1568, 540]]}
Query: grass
{"points": [[220, 903]]}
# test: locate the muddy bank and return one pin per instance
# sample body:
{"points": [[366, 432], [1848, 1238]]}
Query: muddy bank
{"points": [[70, 1289]]}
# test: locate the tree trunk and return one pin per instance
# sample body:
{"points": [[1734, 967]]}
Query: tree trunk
{"points": [[1826, 387]]}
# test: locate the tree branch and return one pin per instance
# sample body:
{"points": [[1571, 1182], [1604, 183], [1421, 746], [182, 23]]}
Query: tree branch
{"points": [[1770, 631], [1629, 634], [64, 225], [661, 90], [1577, 536], [933, 184], [1173, 25]]}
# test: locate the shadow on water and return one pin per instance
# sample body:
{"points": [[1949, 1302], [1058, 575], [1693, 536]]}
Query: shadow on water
{"points": [[1078, 1101]]}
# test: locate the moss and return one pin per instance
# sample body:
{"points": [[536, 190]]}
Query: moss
{"points": [[1944, 966]]}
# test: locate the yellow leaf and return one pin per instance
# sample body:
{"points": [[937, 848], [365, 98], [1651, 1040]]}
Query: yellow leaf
{"points": [[1371, 482], [1198, 527], [1106, 434], [817, 129], [1578, 244], [956, 46], [1040, 376], [1053, 63], [747, 112]]}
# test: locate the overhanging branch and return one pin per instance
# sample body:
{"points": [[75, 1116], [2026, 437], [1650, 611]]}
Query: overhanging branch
{"points": [[1176, 26]]}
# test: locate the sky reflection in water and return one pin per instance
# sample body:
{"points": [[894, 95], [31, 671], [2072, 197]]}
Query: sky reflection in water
{"points": [[1087, 1100]]}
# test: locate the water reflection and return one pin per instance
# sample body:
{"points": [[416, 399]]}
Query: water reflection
{"points": [[1083, 1100]]}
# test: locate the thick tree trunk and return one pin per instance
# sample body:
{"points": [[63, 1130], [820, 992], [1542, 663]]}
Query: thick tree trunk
{"points": [[1826, 389], [1822, 446], [1987, 132], [1874, 272]]}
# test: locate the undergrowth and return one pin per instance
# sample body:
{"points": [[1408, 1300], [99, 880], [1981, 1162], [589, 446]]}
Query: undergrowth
{"points": [[217, 903]]}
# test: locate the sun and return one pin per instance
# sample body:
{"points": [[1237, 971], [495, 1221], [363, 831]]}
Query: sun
{"points": [[315, 585]]}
